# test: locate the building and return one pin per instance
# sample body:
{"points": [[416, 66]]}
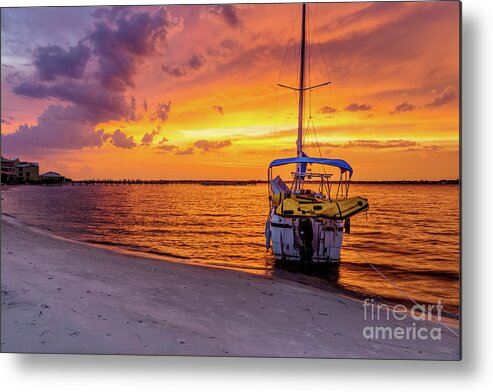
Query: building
{"points": [[15, 171], [28, 171], [9, 172], [51, 178]]}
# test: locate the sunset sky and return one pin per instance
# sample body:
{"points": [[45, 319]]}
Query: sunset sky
{"points": [[179, 92]]}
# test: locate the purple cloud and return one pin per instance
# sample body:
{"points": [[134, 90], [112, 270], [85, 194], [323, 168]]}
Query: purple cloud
{"points": [[148, 138], [446, 96], [162, 111], [403, 107], [58, 127], [206, 145], [93, 100], [175, 70], [53, 61], [121, 140], [227, 12], [195, 62], [167, 148], [121, 43], [356, 107]]}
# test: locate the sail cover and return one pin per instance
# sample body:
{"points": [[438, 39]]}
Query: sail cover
{"points": [[341, 164]]}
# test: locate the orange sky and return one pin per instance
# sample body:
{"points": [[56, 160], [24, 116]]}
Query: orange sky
{"points": [[391, 111]]}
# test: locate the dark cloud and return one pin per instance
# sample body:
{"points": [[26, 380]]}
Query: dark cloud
{"points": [[162, 111], [92, 100], [206, 145], [15, 77], [356, 107], [121, 44], [175, 70], [148, 138], [218, 109], [327, 110], [403, 107], [53, 61], [227, 12], [188, 151], [144, 105], [446, 96], [121, 140], [195, 63]]}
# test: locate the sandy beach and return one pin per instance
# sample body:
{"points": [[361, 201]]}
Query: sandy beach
{"points": [[61, 296]]}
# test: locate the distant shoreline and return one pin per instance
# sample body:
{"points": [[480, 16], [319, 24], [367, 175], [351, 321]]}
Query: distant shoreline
{"points": [[235, 182]]}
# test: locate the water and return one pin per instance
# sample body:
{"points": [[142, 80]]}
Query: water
{"points": [[411, 232]]}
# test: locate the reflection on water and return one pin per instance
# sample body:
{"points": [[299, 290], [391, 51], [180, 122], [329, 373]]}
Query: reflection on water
{"points": [[411, 232]]}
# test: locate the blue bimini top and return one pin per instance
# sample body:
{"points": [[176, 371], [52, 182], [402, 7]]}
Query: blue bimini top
{"points": [[341, 164]]}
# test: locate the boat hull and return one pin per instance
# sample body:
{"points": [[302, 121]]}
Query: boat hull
{"points": [[290, 244]]}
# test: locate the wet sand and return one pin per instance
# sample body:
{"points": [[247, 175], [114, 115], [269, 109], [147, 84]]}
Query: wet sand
{"points": [[61, 296]]}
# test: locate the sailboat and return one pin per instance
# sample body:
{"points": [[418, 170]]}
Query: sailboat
{"points": [[309, 213]]}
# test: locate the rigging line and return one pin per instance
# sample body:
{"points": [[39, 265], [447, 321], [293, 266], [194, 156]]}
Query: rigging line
{"points": [[328, 76], [288, 45], [316, 140], [421, 307], [320, 47]]}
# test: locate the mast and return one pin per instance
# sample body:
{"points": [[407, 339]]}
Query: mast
{"points": [[299, 141]]}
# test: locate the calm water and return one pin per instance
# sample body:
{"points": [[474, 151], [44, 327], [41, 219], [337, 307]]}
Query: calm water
{"points": [[411, 232]]}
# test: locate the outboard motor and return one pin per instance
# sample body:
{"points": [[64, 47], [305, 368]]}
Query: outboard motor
{"points": [[306, 235]]}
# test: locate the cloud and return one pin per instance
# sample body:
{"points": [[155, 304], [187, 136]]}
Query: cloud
{"points": [[373, 144], [162, 111], [188, 151], [121, 140], [174, 70], [6, 119], [148, 138], [206, 145], [57, 127], [403, 107], [144, 105], [121, 43], [167, 148], [53, 61], [327, 110], [227, 12], [15, 77], [218, 109], [448, 95], [356, 107], [419, 147], [378, 144], [93, 100], [196, 62]]}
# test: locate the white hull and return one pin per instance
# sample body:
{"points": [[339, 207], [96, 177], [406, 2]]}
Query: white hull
{"points": [[287, 243]]}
